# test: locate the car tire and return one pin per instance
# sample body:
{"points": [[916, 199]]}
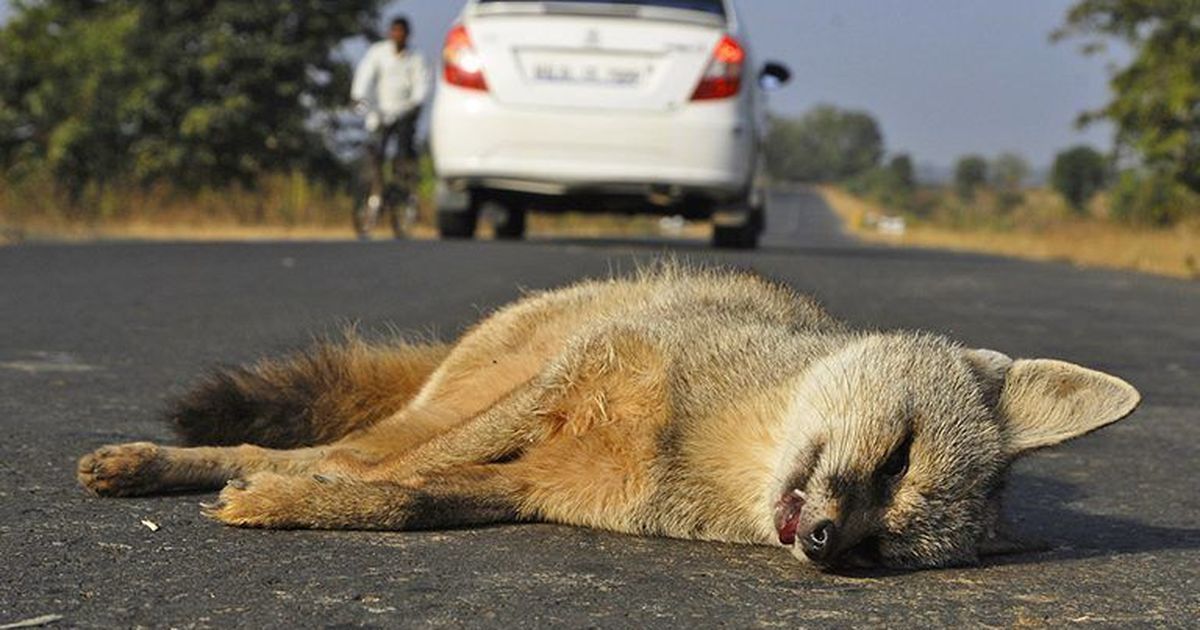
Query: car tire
{"points": [[742, 236], [735, 237], [511, 226], [457, 224]]}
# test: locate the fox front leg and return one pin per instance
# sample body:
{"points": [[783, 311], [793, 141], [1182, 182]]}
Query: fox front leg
{"points": [[143, 468], [470, 496]]}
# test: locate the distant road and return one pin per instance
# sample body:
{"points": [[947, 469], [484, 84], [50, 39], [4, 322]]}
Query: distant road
{"points": [[801, 220], [92, 337]]}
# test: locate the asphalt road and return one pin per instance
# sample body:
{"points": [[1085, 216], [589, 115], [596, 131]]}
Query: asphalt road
{"points": [[93, 337]]}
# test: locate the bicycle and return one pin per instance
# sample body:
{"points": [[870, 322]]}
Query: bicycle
{"points": [[397, 186], [399, 205]]}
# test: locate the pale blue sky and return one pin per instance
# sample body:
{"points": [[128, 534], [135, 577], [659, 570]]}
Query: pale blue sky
{"points": [[944, 77]]}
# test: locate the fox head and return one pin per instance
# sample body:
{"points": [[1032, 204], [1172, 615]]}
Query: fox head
{"points": [[899, 447]]}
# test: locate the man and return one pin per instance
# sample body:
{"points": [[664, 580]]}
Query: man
{"points": [[390, 85]]}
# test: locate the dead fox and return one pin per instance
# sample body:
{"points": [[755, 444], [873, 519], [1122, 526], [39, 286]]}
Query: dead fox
{"points": [[700, 404]]}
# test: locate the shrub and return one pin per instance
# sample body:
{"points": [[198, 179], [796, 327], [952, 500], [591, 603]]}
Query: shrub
{"points": [[892, 185], [1079, 173], [970, 173], [1149, 198], [826, 144], [1009, 172]]}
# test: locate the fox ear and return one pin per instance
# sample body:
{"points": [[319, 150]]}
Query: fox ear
{"points": [[1046, 402], [989, 368], [989, 363]]}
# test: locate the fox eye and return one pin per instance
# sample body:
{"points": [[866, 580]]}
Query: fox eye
{"points": [[897, 463]]}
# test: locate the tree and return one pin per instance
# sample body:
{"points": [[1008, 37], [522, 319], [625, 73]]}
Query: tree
{"points": [[192, 91], [1156, 97], [826, 144], [1009, 172], [902, 172], [1149, 198], [970, 173], [1079, 173], [892, 185], [61, 88]]}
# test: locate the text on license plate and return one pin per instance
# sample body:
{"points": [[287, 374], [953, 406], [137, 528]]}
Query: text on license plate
{"points": [[587, 74]]}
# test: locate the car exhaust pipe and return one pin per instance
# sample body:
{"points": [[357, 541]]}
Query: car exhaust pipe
{"points": [[663, 195]]}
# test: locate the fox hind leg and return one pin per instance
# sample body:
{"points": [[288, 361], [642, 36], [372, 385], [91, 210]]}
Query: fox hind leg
{"points": [[478, 471]]}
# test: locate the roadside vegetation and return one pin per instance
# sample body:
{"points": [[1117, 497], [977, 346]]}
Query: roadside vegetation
{"points": [[277, 206], [192, 119], [213, 117], [221, 119], [1040, 228], [1135, 208]]}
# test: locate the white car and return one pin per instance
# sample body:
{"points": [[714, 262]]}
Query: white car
{"points": [[624, 106]]}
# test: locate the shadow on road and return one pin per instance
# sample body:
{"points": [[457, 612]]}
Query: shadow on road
{"points": [[648, 243], [1041, 511], [652, 245], [1053, 532]]}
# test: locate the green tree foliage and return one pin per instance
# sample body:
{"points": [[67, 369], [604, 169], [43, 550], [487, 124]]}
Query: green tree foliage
{"points": [[193, 91], [1079, 173], [826, 144], [970, 172], [1156, 98], [1151, 198], [1009, 172], [902, 171], [892, 185]]}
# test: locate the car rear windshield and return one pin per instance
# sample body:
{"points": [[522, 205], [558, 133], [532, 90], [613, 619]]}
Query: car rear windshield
{"points": [[715, 7]]}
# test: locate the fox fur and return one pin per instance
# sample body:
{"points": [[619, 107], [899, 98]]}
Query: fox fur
{"points": [[700, 404]]}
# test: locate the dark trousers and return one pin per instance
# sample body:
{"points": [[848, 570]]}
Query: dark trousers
{"points": [[405, 167]]}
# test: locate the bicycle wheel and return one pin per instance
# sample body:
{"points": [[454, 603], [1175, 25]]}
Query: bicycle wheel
{"points": [[366, 215]]}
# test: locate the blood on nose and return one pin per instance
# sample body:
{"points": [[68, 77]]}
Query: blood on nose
{"points": [[788, 512]]}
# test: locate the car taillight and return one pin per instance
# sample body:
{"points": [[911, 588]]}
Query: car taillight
{"points": [[461, 65], [723, 78]]}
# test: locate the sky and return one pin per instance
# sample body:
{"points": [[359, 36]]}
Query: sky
{"points": [[943, 77]]}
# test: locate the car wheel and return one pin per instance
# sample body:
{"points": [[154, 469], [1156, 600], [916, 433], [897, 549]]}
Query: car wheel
{"points": [[735, 237], [741, 236], [457, 224], [511, 226]]}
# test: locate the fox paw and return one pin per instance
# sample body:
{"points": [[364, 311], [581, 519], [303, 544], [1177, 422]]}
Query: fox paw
{"points": [[122, 470], [265, 500]]}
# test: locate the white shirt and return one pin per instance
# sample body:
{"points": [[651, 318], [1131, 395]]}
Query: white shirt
{"points": [[390, 83]]}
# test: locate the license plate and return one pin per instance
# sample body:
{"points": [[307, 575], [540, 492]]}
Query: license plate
{"points": [[563, 70], [586, 75]]}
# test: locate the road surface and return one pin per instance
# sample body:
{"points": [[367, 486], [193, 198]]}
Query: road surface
{"points": [[93, 337]]}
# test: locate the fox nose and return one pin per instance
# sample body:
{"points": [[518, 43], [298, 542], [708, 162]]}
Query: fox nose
{"points": [[820, 541]]}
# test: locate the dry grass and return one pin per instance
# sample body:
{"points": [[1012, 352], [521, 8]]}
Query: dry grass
{"points": [[143, 231], [282, 208], [1088, 242], [540, 226]]}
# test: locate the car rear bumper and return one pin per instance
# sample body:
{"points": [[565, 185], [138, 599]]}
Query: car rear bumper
{"points": [[699, 148]]}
